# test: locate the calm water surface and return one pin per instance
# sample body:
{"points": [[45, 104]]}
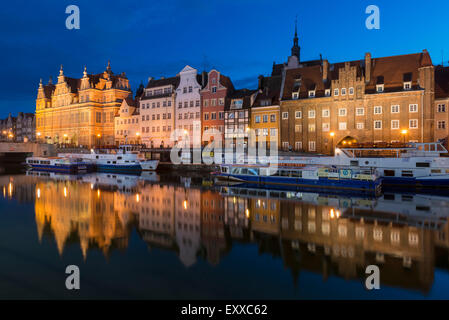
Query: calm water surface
{"points": [[171, 237]]}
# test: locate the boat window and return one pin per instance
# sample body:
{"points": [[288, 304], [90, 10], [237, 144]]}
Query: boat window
{"points": [[97, 157], [436, 171], [297, 174], [235, 170], [422, 165], [284, 173], [422, 208], [389, 173], [407, 173], [119, 158], [109, 161], [253, 171], [243, 170], [354, 163], [114, 162]]}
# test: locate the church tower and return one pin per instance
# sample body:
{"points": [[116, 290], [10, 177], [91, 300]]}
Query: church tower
{"points": [[296, 48]]}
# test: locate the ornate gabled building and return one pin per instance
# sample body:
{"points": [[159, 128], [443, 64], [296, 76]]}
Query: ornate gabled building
{"points": [[80, 111], [127, 126]]}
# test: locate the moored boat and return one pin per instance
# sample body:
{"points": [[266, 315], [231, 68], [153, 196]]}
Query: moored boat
{"points": [[59, 164], [417, 165], [303, 178]]}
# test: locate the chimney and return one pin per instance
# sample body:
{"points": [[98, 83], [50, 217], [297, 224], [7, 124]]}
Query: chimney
{"points": [[259, 86], [325, 69], [367, 67]]}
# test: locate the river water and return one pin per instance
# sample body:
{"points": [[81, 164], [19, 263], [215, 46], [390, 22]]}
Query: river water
{"points": [[166, 236]]}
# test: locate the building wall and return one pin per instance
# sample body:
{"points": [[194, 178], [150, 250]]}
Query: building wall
{"points": [[441, 118], [270, 128], [127, 126], [188, 103], [158, 117], [310, 130], [213, 100]]}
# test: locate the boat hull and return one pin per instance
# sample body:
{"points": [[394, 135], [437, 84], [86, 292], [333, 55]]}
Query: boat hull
{"points": [[412, 182], [298, 184], [73, 168], [149, 165]]}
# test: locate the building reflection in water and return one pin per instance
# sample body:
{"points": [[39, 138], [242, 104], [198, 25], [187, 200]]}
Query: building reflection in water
{"points": [[406, 235]]}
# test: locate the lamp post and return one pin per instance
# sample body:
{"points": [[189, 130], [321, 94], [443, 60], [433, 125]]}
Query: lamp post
{"points": [[99, 139], [137, 137], [404, 133], [332, 134]]}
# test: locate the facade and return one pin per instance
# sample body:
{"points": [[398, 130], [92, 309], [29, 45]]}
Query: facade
{"points": [[127, 126], [213, 98], [80, 111], [265, 112], [188, 103], [237, 118], [19, 129], [381, 100], [157, 110], [441, 104]]}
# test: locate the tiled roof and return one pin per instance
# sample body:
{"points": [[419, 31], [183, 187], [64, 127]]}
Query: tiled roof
{"points": [[153, 83], [270, 90], [441, 82], [390, 71], [244, 94]]}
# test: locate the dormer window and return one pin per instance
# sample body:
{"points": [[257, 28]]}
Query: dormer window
{"points": [[295, 95], [311, 93], [327, 92], [407, 85], [379, 88]]}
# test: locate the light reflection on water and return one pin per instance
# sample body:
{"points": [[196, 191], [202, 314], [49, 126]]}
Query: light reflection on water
{"points": [[167, 236]]}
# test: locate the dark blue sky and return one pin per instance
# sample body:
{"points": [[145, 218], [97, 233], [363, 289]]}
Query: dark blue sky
{"points": [[241, 38]]}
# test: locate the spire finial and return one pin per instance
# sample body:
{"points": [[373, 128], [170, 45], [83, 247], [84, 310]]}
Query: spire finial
{"points": [[296, 26], [108, 68], [61, 71], [40, 83], [296, 49], [85, 72]]}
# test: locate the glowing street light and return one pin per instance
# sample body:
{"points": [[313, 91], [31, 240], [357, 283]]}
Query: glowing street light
{"points": [[404, 133], [332, 134]]}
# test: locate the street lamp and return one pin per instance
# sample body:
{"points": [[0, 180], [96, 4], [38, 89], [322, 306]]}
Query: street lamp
{"points": [[332, 134], [404, 133]]}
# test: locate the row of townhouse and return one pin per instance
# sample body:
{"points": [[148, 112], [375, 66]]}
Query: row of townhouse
{"points": [[310, 106]]}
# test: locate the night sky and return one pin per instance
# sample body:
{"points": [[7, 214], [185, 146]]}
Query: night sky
{"points": [[240, 38]]}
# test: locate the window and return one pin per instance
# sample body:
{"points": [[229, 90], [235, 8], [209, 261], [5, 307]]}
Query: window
{"points": [[311, 114], [214, 89], [311, 127], [360, 111], [257, 119], [285, 145], [377, 110], [395, 108], [190, 89], [312, 146], [407, 85], [206, 116], [284, 115], [327, 92], [377, 124], [295, 95], [298, 114], [311, 94], [335, 92], [325, 113], [298, 128], [394, 124], [342, 112], [343, 91], [441, 125], [205, 103], [413, 123], [351, 91], [342, 126], [413, 108], [273, 132], [213, 116], [326, 127], [360, 125], [221, 115], [298, 145], [441, 108], [380, 88], [265, 118], [273, 118]]}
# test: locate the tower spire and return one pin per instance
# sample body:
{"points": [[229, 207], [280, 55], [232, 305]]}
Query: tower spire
{"points": [[296, 49]]}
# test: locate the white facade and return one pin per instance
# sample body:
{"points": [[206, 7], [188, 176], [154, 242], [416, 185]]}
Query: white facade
{"points": [[127, 129], [188, 103]]}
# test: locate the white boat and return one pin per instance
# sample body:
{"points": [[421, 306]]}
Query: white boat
{"points": [[413, 164], [146, 164], [110, 160]]}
